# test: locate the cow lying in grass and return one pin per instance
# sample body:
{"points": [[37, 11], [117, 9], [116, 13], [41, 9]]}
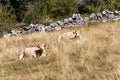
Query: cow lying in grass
{"points": [[33, 52], [68, 36]]}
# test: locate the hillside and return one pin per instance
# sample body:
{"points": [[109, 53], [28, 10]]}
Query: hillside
{"points": [[95, 57]]}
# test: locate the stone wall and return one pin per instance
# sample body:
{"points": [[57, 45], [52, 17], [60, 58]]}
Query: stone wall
{"points": [[73, 21]]}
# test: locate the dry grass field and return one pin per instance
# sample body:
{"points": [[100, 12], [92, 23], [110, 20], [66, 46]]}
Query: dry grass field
{"points": [[94, 57]]}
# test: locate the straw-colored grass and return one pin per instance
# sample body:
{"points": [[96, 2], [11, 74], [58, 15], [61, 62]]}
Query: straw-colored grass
{"points": [[94, 57]]}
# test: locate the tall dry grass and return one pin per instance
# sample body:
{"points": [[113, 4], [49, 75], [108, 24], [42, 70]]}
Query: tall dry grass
{"points": [[94, 57]]}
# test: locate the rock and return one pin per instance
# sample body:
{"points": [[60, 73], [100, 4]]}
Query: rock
{"points": [[70, 20], [99, 15], [18, 32], [31, 25], [23, 31], [52, 25], [86, 19], [66, 20], [28, 31], [66, 24], [26, 28], [116, 13], [104, 12], [58, 28], [93, 16], [112, 16], [13, 33], [74, 16], [79, 17], [60, 23], [41, 28], [108, 11], [7, 35], [48, 28], [32, 29], [38, 29], [56, 25], [71, 25]]}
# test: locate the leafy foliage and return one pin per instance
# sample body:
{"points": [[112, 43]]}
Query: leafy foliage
{"points": [[7, 18], [43, 9], [99, 5]]}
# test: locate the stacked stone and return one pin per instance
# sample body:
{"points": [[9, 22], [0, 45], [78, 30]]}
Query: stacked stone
{"points": [[105, 16], [32, 28], [58, 25], [75, 20], [25, 30]]}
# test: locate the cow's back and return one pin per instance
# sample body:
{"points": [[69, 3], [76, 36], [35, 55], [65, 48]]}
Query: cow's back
{"points": [[66, 36], [28, 52]]}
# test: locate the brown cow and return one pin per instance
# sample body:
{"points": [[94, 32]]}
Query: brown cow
{"points": [[69, 36], [33, 52]]}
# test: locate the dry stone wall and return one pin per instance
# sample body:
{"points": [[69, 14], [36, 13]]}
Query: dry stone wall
{"points": [[73, 21]]}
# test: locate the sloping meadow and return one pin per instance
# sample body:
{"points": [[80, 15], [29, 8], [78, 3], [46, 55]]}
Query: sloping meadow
{"points": [[94, 57]]}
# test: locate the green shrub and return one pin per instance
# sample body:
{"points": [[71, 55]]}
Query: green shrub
{"points": [[42, 9], [90, 6], [7, 19]]}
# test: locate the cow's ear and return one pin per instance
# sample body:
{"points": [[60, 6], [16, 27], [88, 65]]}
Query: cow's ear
{"points": [[38, 45], [74, 32], [43, 45]]}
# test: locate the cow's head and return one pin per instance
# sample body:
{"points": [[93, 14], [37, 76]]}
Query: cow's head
{"points": [[77, 34], [41, 50]]}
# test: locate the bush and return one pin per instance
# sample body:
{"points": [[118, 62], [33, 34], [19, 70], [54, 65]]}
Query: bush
{"points": [[90, 6], [7, 19], [42, 9]]}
